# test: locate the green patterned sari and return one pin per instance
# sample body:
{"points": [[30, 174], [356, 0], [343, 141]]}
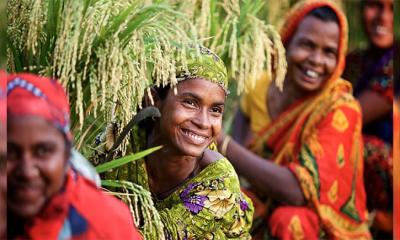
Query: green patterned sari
{"points": [[208, 206]]}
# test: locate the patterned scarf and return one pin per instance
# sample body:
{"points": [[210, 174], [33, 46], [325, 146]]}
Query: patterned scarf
{"points": [[31, 95], [202, 62]]}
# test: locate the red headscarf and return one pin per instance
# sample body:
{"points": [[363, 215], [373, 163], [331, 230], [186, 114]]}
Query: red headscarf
{"points": [[31, 95], [3, 99], [296, 15]]}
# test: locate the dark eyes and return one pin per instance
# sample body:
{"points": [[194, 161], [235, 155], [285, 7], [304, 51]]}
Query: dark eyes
{"points": [[193, 104], [306, 44], [189, 103], [40, 151], [217, 110], [330, 52]]}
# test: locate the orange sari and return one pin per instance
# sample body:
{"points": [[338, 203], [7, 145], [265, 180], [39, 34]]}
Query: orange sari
{"points": [[319, 139], [396, 157]]}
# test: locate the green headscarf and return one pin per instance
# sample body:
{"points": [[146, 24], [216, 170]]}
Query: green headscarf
{"points": [[202, 62]]}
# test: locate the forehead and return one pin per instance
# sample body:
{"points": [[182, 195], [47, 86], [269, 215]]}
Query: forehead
{"points": [[319, 30], [28, 130], [202, 88]]}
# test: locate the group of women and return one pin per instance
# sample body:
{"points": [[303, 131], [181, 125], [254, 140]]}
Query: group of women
{"points": [[299, 151]]}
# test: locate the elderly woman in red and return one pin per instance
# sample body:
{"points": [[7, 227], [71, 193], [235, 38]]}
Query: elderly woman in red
{"points": [[48, 199]]}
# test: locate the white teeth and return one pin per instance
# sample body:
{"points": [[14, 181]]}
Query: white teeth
{"points": [[381, 30], [194, 136], [312, 74]]}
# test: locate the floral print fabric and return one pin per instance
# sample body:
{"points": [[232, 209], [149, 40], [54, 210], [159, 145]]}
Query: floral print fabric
{"points": [[208, 206]]}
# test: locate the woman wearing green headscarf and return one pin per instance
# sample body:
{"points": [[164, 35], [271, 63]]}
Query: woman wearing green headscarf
{"points": [[196, 190]]}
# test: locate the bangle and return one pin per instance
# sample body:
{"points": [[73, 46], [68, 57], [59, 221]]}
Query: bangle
{"points": [[225, 144]]}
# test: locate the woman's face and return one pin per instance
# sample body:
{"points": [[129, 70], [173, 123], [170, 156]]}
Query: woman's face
{"points": [[192, 118], [312, 53], [36, 164], [378, 22]]}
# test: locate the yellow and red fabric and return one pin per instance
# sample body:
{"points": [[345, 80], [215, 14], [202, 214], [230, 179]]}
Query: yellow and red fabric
{"points": [[396, 157], [81, 211], [319, 139]]}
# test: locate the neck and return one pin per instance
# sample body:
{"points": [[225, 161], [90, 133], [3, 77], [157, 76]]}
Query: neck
{"points": [[168, 171], [290, 94], [377, 52]]}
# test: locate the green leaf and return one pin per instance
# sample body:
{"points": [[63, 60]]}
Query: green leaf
{"points": [[119, 184], [124, 160], [112, 183]]}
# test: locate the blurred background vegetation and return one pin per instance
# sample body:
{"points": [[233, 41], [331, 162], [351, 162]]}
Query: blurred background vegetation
{"points": [[3, 27]]}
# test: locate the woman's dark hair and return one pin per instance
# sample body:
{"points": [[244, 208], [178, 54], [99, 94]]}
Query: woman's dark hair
{"points": [[162, 91], [148, 124], [325, 14]]}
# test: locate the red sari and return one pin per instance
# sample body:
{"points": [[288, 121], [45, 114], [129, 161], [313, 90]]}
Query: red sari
{"points": [[319, 139], [396, 156], [81, 211]]}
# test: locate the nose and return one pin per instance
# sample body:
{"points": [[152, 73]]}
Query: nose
{"points": [[316, 57], [27, 167], [202, 119]]}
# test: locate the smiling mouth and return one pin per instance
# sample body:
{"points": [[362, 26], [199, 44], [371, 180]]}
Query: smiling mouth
{"points": [[310, 75], [194, 137], [27, 192], [380, 30]]}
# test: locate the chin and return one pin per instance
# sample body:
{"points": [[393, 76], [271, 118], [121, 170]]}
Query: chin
{"points": [[306, 87], [383, 44], [27, 212], [193, 151]]}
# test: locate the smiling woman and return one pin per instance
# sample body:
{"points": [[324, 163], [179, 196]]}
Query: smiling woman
{"points": [[195, 189], [302, 150], [47, 198]]}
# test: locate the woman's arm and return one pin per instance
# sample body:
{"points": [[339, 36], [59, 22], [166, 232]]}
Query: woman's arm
{"points": [[273, 180], [373, 106], [241, 128]]}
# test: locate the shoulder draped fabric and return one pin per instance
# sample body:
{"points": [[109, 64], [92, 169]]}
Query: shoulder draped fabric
{"points": [[319, 139], [81, 211], [208, 206]]}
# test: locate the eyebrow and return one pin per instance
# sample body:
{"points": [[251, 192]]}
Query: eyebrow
{"points": [[303, 39], [197, 97]]}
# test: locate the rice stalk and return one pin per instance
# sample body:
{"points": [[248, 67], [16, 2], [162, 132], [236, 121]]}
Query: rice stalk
{"points": [[144, 213], [233, 30], [106, 53]]}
